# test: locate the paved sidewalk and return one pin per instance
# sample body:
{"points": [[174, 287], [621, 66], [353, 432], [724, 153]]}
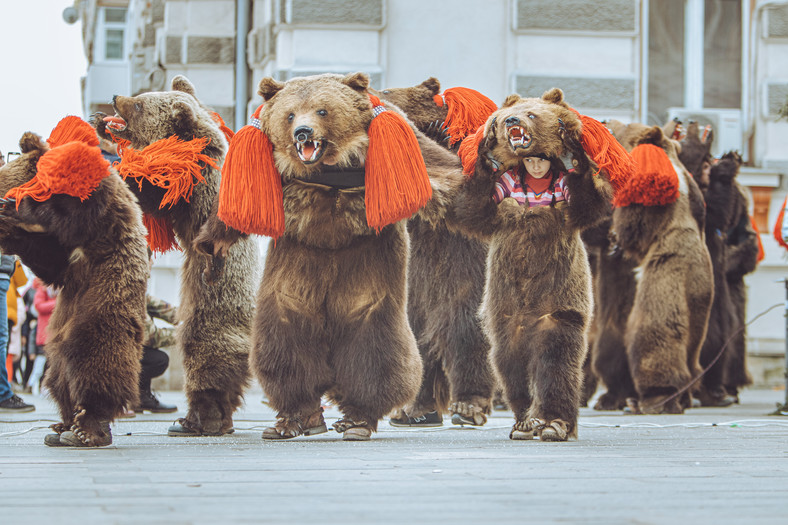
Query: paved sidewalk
{"points": [[710, 466]]}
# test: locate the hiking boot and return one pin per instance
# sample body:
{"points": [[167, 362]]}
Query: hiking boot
{"points": [[430, 419], [150, 403], [53, 440], [77, 437], [185, 428], [15, 404]]}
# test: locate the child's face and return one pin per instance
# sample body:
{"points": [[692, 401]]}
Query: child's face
{"points": [[536, 167]]}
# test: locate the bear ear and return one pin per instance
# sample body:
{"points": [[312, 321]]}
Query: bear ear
{"points": [[269, 87], [32, 142], [357, 81], [432, 85], [184, 119], [181, 83], [511, 100], [555, 96], [653, 135]]}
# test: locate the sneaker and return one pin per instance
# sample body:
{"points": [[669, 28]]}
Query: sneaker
{"points": [[430, 419], [150, 403], [15, 404]]}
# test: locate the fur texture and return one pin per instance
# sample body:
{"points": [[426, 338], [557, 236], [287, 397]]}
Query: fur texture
{"points": [[537, 298], [331, 309], [95, 251], [214, 332], [445, 285], [669, 316]]}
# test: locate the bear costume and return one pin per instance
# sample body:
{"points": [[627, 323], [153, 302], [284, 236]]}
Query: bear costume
{"points": [[446, 277], [537, 299], [153, 129], [656, 225], [330, 173], [75, 223]]}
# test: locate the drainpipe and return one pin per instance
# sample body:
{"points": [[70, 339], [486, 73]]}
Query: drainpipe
{"points": [[242, 13]]}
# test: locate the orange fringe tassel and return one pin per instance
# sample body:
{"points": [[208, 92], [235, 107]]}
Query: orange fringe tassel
{"points": [[761, 252], [74, 169], [170, 163], [395, 175], [655, 182], [468, 109], [777, 233], [608, 154], [71, 129], [228, 133], [161, 237], [469, 151], [250, 195]]}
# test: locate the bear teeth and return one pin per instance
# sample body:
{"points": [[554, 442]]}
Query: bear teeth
{"points": [[115, 123], [518, 138], [308, 151]]}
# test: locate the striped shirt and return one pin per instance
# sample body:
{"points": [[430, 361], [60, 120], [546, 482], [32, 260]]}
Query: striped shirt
{"points": [[509, 186]]}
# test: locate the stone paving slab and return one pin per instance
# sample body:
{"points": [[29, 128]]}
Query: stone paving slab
{"points": [[726, 465]]}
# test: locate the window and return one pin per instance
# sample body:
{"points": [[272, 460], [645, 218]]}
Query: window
{"points": [[694, 55], [112, 33]]}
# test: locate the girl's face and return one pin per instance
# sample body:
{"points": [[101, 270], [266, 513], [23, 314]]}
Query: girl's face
{"points": [[536, 167]]}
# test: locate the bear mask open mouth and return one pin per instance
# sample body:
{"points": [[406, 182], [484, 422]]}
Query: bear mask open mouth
{"points": [[518, 137], [115, 124], [310, 151]]}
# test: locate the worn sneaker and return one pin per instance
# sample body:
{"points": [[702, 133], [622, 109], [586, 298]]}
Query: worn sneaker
{"points": [[430, 419], [15, 404]]}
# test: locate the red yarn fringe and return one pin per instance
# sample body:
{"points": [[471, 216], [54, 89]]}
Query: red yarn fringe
{"points": [[74, 169], [396, 181], [228, 133], [655, 182], [778, 226], [71, 129], [170, 163], [608, 154], [468, 109], [469, 151], [161, 237]]}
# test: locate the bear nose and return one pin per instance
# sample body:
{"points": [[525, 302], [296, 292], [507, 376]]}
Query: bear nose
{"points": [[512, 121], [303, 133]]}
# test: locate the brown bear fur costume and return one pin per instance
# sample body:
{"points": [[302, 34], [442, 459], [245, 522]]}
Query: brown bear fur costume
{"points": [[743, 251], [669, 316], [215, 319], [331, 309], [614, 292], [537, 299], [445, 285], [94, 251]]}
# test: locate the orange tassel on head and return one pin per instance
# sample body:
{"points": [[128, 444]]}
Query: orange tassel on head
{"points": [[170, 163], [228, 133], [467, 110], [74, 169], [71, 129], [396, 181], [250, 195], [161, 237], [608, 154], [469, 151], [777, 233], [655, 181]]}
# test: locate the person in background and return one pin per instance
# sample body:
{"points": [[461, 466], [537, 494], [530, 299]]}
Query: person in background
{"points": [[9, 402], [18, 280], [44, 302]]}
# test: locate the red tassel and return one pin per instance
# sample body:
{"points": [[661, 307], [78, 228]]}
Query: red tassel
{"points": [[468, 109], [655, 182], [71, 129], [250, 195], [395, 175], [778, 226], [74, 169], [469, 151], [608, 154], [161, 237], [228, 133], [761, 252]]}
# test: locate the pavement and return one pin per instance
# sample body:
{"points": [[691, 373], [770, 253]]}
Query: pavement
{"points": [[710, 465]]}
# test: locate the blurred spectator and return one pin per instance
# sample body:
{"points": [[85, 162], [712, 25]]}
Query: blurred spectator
{"points": [[17, 281], [44, 302], [9, 402]]}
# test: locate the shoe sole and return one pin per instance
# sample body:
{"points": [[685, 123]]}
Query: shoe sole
{"points": [[142, 410], [457, 419], [171, 433], [17, 410]]}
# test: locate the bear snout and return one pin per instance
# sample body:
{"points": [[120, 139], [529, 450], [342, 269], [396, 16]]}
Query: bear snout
{"points": [[303, 134]]}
